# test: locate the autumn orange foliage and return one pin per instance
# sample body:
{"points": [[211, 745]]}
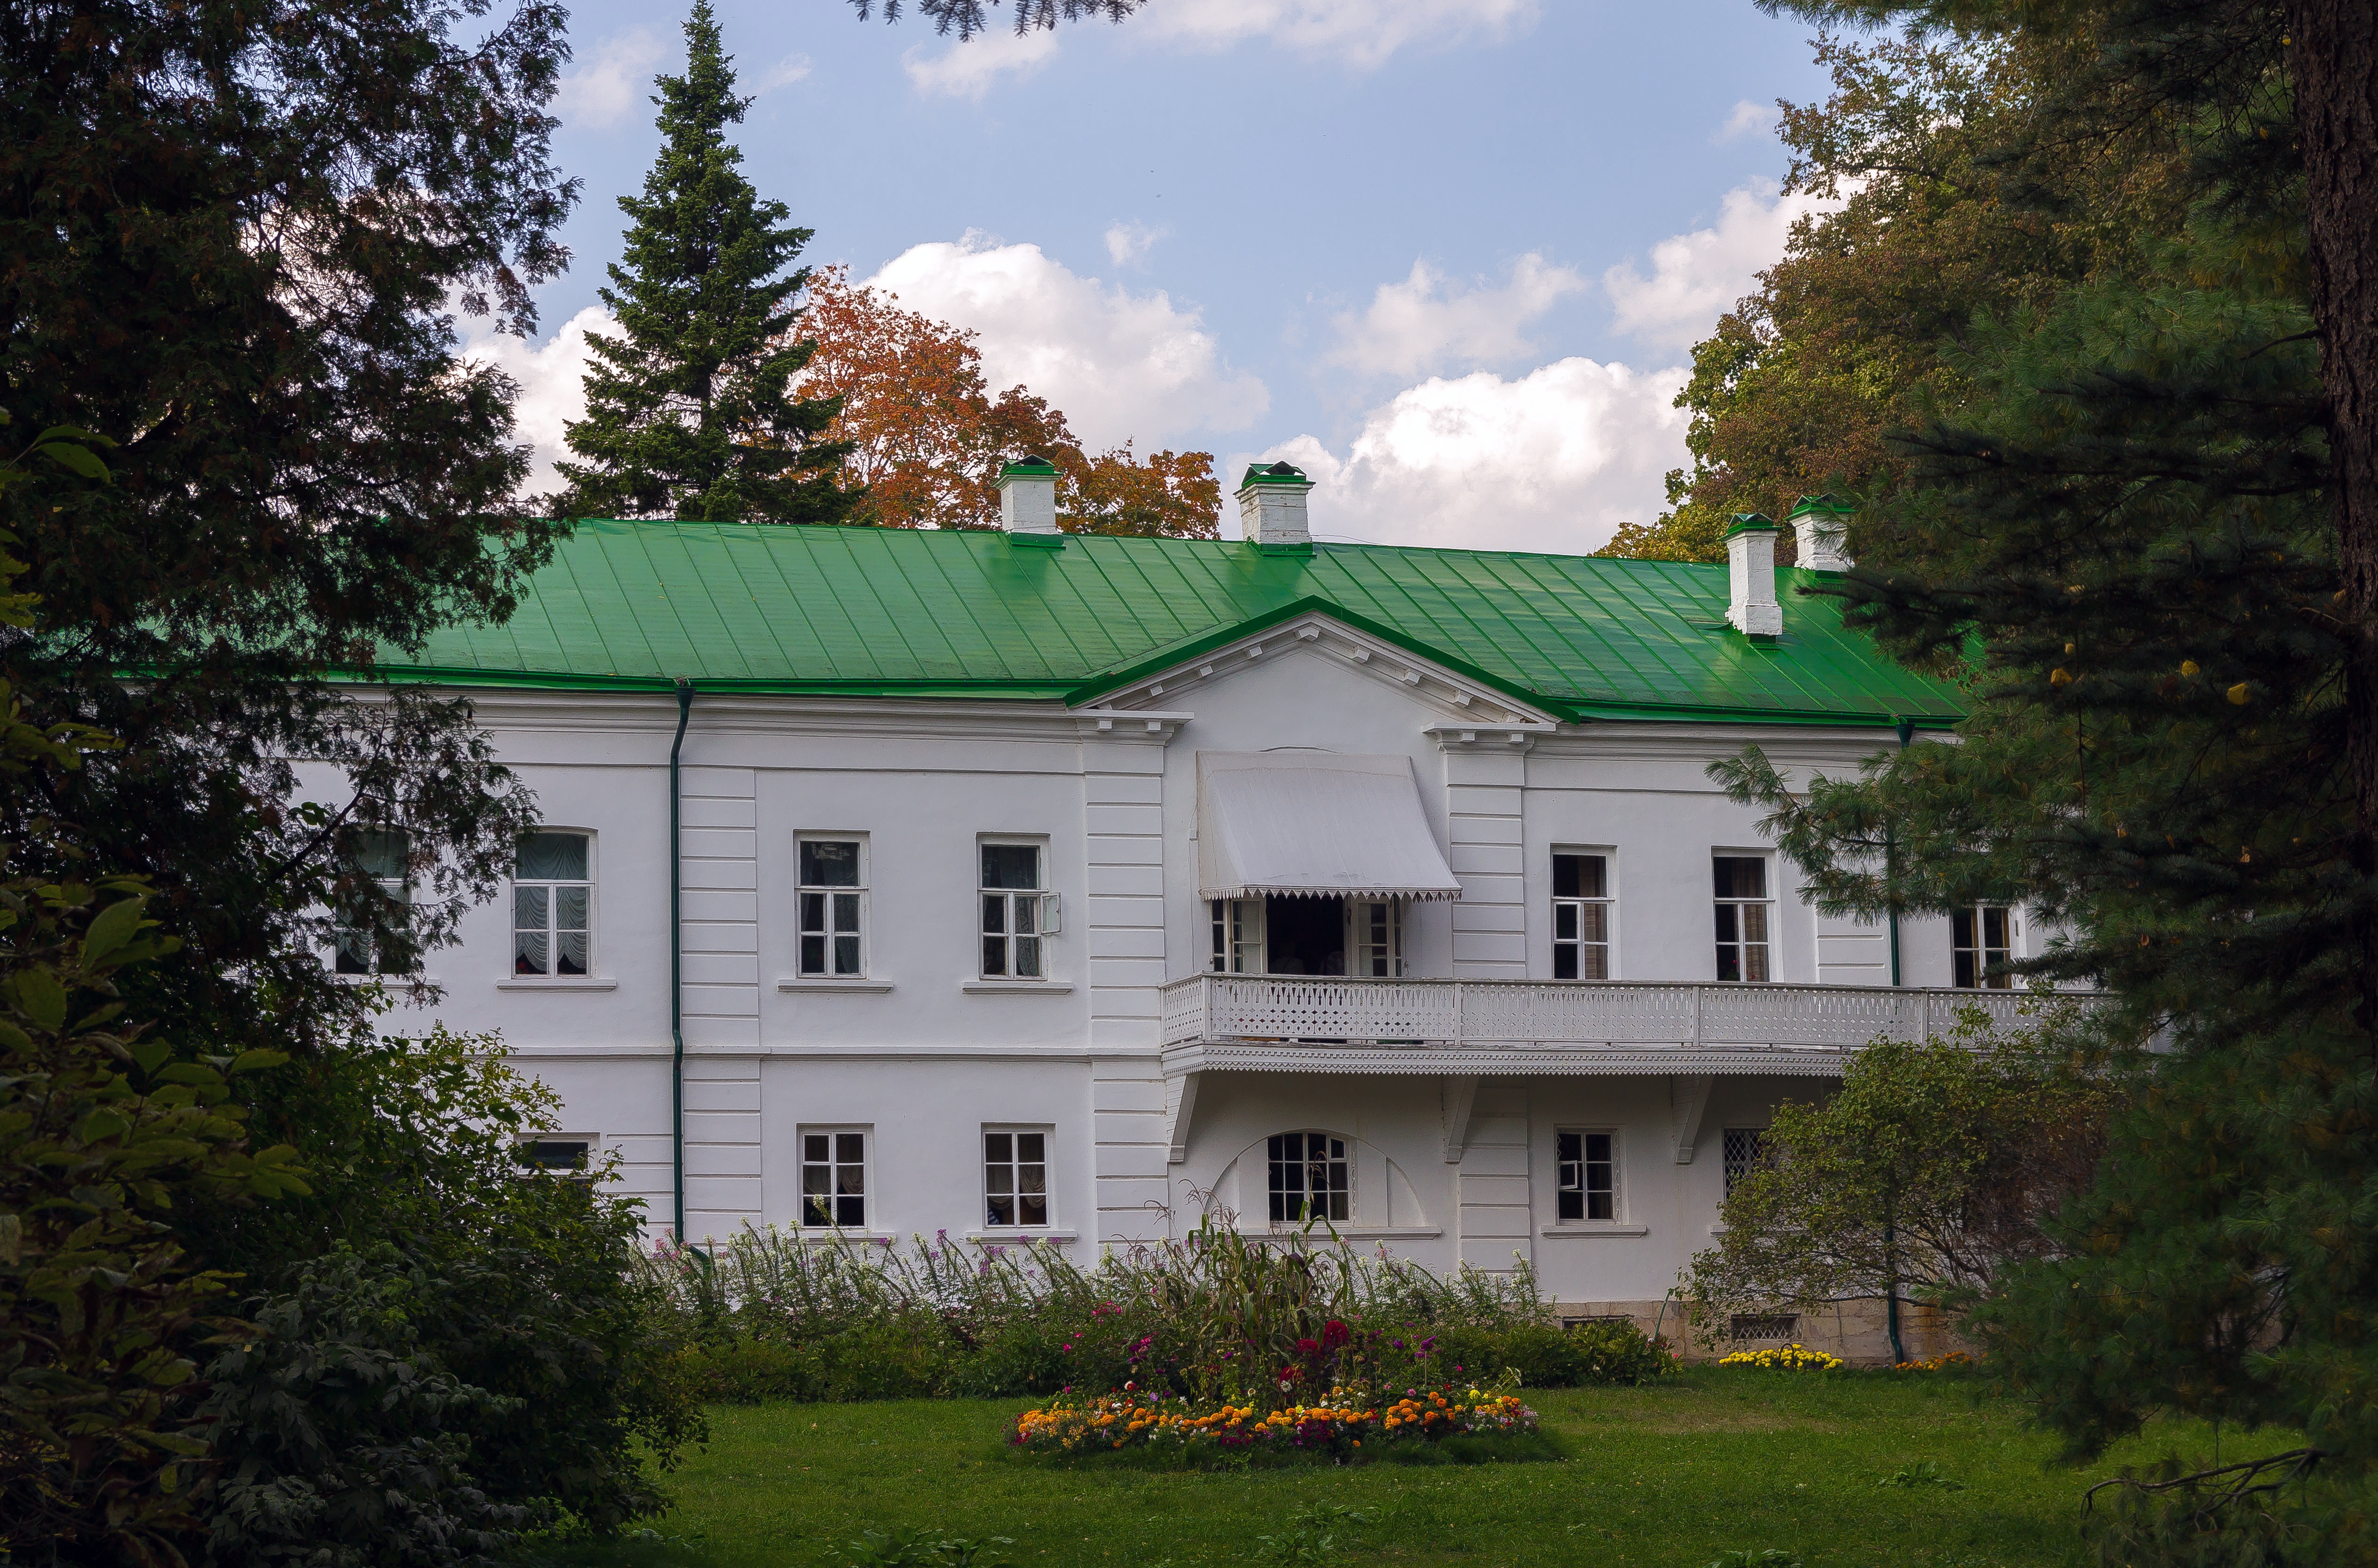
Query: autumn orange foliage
{"points": [[928, 437]]}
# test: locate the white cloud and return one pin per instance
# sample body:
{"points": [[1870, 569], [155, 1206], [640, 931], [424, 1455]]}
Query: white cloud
{"points": [[1696, 277], [1424, 323], [1128, 243], [611, 81], [972, 68], [1119, 364], [1358, 33], [784, 73], [552, 391], [1551, 461], [1746, 118]]}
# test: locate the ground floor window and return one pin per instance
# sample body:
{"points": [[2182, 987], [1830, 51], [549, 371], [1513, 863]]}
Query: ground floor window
{"points": [[1014, 1178], [834, 1178], [1589, 1176], [1309, 1178], [1764, 1325], [1744, 1147], [1979, 938]]}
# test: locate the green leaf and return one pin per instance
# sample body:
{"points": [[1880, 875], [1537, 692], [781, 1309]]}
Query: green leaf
{"points": [[44, 1000], [15, 1039], [149, 1055], [76, 459], [116, 926], [75, 433], [257, 1061]]}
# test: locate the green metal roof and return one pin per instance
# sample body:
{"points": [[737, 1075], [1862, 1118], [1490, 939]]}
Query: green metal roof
{"points": [[627, 606]]}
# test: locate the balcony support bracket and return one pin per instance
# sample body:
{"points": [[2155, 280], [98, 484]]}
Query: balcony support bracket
{"points": [[1459, 1091], [1688, 1097], [1180, 1105]]}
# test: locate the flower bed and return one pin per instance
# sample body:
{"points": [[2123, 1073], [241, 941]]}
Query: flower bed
{"points": [[1784, 1359], [1342, 1426]]}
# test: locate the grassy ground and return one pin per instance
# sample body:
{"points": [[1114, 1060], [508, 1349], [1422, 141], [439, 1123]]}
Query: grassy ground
{"points": [[1667, 1477]]}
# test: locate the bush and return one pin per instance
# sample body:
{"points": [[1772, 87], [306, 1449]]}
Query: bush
{"points": [[1218, 1316]]}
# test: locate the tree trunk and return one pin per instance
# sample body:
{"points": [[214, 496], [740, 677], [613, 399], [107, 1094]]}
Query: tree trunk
{"points": [[2333, 57]]}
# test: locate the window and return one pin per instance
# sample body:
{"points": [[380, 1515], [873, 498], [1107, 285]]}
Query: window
{"points": [[1589, 1176], [1014, 1178], [1016, 915], [832, 897], [1238, 935], [1376, 937], [553, 904], [1308, 1178], [382, 856], [834, 1178], [1764, 1325], [1744, 1147], [1978, 938], [1580, 917], [555, 1154], [1741, 916]]}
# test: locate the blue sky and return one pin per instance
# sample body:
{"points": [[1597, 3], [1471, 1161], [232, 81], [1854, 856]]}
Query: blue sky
{"points": [[1449, 254]]}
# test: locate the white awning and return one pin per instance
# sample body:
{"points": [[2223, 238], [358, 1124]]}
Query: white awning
{"points": [[1315, 822]]}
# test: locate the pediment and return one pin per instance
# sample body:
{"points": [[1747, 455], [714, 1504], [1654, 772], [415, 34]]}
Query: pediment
{"points": [[1449, 695]]}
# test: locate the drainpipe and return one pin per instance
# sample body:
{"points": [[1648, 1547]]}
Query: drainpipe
{"points": [[1891, 867], [677, 966]]}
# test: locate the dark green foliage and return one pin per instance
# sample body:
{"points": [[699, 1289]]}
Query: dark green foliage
{"points": [[688, 414]]}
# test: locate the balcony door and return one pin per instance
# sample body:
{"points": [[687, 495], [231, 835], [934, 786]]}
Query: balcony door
{"points": [[1321, 934]]}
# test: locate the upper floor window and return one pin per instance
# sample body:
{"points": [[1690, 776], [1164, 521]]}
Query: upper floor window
{"points": [[1746, 1147], [1742, 912], [1016, 1177], [833, 898], [553, 904], [1979, 938], [1309, 1178], [834, 1177], [1587, 1185], [1375, 937], [383, 856], [1580, 917], [1018, 915]]}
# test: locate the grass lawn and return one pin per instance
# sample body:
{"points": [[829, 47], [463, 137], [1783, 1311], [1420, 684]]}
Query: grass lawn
{"points": [[1667, 1477]]}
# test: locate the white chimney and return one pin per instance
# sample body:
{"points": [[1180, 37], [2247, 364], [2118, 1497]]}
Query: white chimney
{"points": [[1817, 521], [1750, 571], [1271, 505], [1028, 497]]}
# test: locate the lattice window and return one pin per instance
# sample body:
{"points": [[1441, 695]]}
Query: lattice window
{"points": [[1744, 1148], [1764, 1325]]}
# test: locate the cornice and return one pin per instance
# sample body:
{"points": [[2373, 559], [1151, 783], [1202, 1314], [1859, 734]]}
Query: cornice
{"points": [[1569, 1062]]}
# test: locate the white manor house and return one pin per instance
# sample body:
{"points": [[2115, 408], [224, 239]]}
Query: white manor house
{"points": [[1035, 886]]}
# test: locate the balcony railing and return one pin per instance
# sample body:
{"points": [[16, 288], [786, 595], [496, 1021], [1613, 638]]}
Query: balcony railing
{"points": [[1293, 1011]]}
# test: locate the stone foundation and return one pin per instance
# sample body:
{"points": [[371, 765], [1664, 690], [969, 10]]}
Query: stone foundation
{"points": [[1856, 1330]]}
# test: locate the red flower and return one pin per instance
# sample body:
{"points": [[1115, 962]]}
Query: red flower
{"points": [[1308, 1347], [1334, 1333]]}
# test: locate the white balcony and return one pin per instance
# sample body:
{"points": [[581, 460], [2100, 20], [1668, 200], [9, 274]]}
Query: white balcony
{"points": [[1292, 1024]]}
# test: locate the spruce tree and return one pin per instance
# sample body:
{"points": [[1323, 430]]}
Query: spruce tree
{"points": [[687, 412]]}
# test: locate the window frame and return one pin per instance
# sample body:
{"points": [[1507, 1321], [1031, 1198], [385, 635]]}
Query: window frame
{"points": [[1606, 902], [399, 890], [1742, 945], [1338, 1152], [802, 891], [1016, 1164], [1041, 900], [533, 1169], [553, 931], [1977, 954], [1360, 948], [1612, 1194], [833, 1132], [1228, 921]]}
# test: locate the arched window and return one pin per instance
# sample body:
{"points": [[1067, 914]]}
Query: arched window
{"points": [[1310, 1178]]}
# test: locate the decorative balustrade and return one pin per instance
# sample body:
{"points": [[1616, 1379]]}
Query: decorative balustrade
{"points": [[1316, 1011]]}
